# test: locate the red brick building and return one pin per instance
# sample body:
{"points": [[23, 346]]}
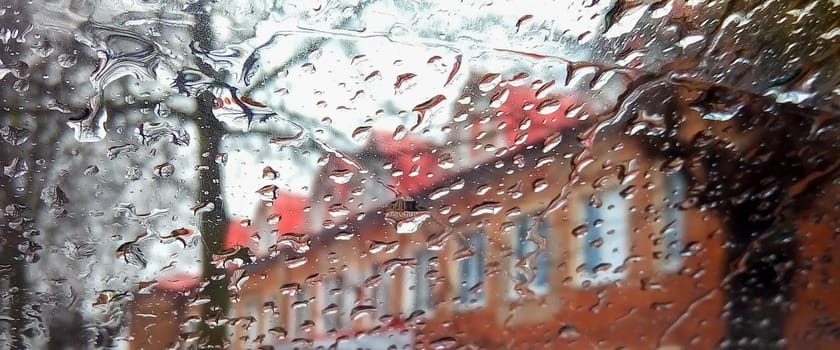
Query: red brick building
{"points": [[508, 233]]}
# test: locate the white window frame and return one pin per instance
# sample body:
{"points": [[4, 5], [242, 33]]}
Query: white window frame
{"points": [[615, 232], [477, 272], [521, 247], [673, 223]]}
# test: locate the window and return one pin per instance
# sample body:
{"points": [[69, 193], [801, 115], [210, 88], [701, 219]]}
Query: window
{"points": [[332, 306], [471, 290], [254, 316], [382, 291], [605, 245], [417, 287], [523, 248], [673, 229], [271, 318], [300, 313]]}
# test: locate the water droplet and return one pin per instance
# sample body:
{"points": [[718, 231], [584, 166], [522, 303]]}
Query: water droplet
{"points": [[568, 332], [403, 78], [548, 106], [341, 176], [202, 208], [298, 242], [489, 82], [445, 161], [16, 168], [131, 254], [338, 210], [66, 60], [486, 208], [133, 173], [164, 170], [115, 151], [540, 185], [91, 170], [21, 85], [296, 262], [362, 311], [269, 192], [400, 132], [580, 231], [439, 193], [13, 135]]}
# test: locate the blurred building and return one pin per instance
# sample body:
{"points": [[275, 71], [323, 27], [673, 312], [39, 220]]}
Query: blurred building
{"points": [[507, 234]]}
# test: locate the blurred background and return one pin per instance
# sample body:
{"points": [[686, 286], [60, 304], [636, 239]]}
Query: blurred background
{"points": [[399, 174]]}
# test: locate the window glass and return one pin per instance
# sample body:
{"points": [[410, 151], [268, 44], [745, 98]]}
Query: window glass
{"points": [[605, 246], [538, 268], [471, 270], [673, 232]]}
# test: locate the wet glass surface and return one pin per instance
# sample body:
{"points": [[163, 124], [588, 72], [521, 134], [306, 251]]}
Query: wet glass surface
{"points": [[398, 174]]}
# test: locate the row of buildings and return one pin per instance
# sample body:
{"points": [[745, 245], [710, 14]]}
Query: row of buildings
{"points": [[509, 234]]}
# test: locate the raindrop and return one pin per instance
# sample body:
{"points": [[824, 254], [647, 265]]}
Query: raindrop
{"points": [[540, 185], [91, 170], [362, 311], [403, 78], [360, 132], [486, 208], [341, 176], [202, 208], [568, 332], [269, 192], [133, 173], [67, 60], [21, 85], [439, 193], [338, 210], [296, 262], [42, 48], [489, 82], [548, 106], [19, 70], [269, 173], [445, 161], [16, 168], [54, 196], [131, 254], [400, 132], [116, 151], [443, 343], [580, 231], [298, 242], [387, 247], [164, 170]]}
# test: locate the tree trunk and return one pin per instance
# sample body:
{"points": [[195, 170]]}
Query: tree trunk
{"points": [[213, 222]]}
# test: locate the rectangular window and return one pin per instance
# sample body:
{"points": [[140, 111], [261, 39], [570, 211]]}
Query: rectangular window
{"points": [[673, 228], [471, 291], [300, 313], [418, 287], [332, 305], [254, 315], [537, 268], [381, 292], [270, 319], [605, 245]]}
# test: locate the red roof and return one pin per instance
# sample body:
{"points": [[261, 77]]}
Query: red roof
{"points": [[529, 120], [523, 105], [291, 219], [414, 158]]}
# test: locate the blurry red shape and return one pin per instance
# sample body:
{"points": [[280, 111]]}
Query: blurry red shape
{"points": [[179, 281]]}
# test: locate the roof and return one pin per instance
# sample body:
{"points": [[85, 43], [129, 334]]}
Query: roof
{"points": [[525, 120]]}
